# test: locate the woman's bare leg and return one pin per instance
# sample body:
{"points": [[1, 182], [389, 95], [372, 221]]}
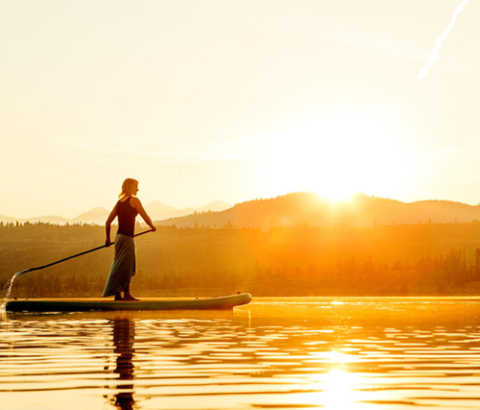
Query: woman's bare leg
{"points": [[118, 296], [128, 295]]}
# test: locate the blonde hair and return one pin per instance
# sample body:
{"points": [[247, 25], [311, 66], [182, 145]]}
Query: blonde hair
{"points": [[127, 186]]}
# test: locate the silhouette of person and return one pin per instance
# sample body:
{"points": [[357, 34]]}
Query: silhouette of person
{"points": [[124, 263]]}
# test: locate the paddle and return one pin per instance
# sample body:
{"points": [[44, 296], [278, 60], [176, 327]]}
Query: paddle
{"points": [[23, 272]]}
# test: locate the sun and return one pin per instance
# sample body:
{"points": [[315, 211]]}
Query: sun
{"points": [[338, 154]]}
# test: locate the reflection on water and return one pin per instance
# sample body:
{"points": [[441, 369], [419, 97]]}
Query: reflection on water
{"points": [[123, 338], [358, 353]]}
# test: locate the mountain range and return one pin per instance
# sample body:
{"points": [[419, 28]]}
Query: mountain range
{"points": [[156, 210], [309, 209], [296, 208]]}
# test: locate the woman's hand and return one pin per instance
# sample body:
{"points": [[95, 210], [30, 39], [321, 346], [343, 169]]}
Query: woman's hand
{"points": [[108, 243], [154, 228]]}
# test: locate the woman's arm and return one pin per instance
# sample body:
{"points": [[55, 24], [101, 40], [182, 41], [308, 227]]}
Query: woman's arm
{"points": [[108, 224], [135, 202]]}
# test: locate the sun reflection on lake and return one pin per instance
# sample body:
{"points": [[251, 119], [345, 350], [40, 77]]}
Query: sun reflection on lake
{"points": [[333, 357], [339, 391], [334, 390]]}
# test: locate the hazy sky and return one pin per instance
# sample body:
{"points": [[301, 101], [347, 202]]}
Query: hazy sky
{"points": [[235, 100]]}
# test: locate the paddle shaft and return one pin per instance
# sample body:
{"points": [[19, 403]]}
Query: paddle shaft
{"points": [[70, 257]]}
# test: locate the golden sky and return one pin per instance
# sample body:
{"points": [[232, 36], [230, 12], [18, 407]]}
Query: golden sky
{"points": [[235, 100]]}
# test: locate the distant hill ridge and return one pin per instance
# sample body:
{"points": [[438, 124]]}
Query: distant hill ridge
{"points": [[308, 208], [291, 209], [156, 209]]}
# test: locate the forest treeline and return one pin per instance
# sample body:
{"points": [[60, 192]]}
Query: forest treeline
{"points": [[420, 259]]}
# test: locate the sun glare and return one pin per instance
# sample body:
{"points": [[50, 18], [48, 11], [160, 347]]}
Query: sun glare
{"points": [[338, 155], [340, 390], [337, 390]]}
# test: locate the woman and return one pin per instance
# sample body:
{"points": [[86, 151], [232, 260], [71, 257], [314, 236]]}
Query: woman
{"points": [[123, 266]]}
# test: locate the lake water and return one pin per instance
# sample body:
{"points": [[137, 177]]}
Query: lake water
{"points": [[276, 353]]}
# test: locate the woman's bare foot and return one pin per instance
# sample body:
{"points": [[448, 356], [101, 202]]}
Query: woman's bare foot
{"points": [[130, 298], [127, 296], [118, 297]]}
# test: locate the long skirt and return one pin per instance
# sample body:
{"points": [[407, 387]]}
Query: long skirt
{"points": [[123, 266]]}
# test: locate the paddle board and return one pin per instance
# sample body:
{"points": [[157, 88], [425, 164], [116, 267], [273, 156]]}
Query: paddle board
{"points": [[76, 305]]}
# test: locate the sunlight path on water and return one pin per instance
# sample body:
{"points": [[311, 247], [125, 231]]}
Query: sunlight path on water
{"points": [[277, 353]]}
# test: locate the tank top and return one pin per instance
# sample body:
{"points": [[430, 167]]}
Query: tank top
{"points": [[126, 214]]}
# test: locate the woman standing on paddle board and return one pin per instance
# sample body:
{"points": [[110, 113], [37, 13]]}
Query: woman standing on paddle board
{"points": [[124, 266]]}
